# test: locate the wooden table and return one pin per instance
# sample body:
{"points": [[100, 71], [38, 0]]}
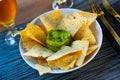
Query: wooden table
{"points": [[29, 9]]}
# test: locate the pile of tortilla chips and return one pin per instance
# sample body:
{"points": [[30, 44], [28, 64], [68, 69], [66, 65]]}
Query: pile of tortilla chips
{"points": [[78, 24]]}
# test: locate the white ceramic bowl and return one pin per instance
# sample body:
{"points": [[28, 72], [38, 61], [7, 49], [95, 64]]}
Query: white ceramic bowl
{"points": [[95, 29]]}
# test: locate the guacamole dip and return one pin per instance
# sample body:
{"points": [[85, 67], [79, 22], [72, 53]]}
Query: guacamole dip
{"points": [[56, 38]]}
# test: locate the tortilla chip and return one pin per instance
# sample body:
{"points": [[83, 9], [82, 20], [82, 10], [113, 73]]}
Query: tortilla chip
{"points": [[84, 33], [66, 53], [27, 43], [62, 52], [66, 62], [36, 33], [71, 25], [38, 51], [43, 69], [76, 46], [51, 20], [82, 18], [91, 49], [82, 45], [91, 17]]}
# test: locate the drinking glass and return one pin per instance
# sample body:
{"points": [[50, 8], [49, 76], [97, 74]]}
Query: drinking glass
{"points": [[62, 4], [8, 10]]}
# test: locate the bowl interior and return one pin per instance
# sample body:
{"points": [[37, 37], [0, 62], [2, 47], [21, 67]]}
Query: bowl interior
{"points": [[96, 29]]}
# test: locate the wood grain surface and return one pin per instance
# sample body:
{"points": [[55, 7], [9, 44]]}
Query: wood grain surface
{"points": [[29, 9], [105, 65]]}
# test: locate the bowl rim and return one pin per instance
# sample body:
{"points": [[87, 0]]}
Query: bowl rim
{"points": [[73, 69]]}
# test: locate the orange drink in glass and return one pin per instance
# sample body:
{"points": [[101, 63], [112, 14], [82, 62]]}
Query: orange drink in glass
{"points": [[8, 10]]}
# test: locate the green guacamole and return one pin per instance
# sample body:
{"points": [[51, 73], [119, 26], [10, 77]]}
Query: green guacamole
{"points": [[56, 38]]}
